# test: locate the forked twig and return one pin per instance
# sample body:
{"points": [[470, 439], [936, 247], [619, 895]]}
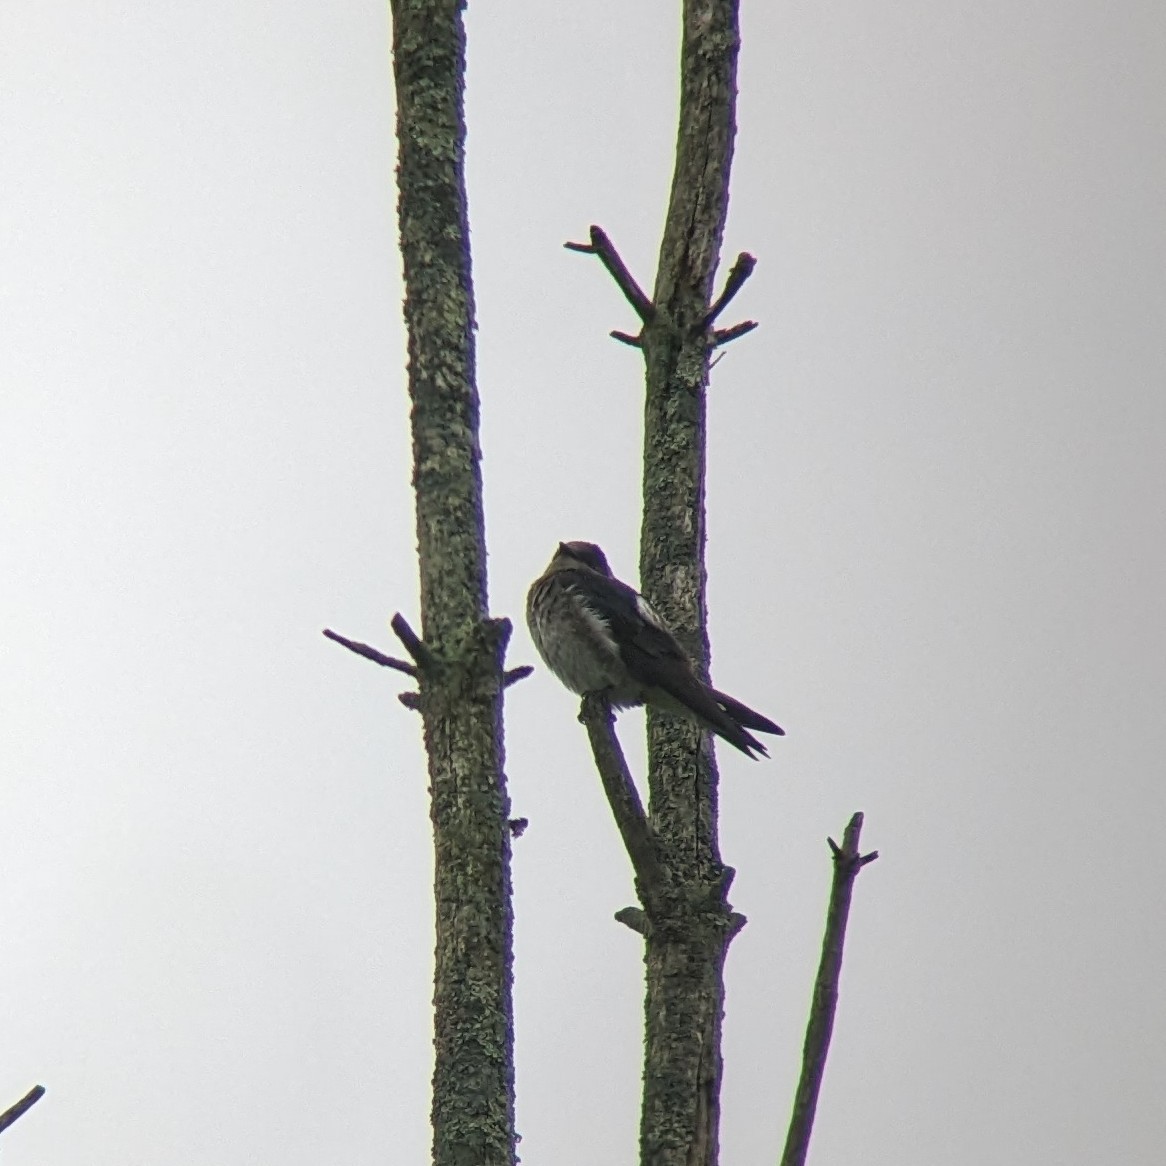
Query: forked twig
{"points": [[419, 652], [603, 247]]}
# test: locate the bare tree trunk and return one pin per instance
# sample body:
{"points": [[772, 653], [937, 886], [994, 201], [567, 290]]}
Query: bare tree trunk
{"points": [[690, 931], [460, 656], [683, 886]]}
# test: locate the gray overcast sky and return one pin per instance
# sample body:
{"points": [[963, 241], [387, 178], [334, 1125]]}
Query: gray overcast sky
{"points": [[936, 542]]}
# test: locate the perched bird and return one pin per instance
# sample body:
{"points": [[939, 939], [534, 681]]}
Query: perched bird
{"points": [[597, 634]]}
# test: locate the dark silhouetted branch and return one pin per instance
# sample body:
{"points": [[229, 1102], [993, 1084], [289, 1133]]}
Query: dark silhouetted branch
{"points": [[847, 863], [602, 246], [21, 1107], [622, 795], [626, 338], [514, 675], [740, 272], [371, 653], [412, 641]]}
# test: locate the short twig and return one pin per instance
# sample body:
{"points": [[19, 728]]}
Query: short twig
{"points": [[741, 270], [634, 918], [622, 795], [371, 653], [847, 863], [626, 338], [21, 1107], [514, 675], [723, 335], [602, 246], [422, 656]]}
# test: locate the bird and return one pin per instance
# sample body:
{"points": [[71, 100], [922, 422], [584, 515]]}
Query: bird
{"points": [[598, 635]]}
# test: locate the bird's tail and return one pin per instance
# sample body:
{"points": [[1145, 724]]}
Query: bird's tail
{"points": [[744, 718], [744, 715]]}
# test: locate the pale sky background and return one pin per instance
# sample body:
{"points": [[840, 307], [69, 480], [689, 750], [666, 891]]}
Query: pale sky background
{"points": [[936, 533]]}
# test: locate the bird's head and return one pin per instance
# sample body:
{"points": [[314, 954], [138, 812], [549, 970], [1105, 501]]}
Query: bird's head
{"points": [[581, 554]]}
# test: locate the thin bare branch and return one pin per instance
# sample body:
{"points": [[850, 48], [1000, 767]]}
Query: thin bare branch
{"points": [[371, 653], [602, 246], [626, 338], [847, 863], [514, 675], [21, 1107], [595, 713], [741, 270]]}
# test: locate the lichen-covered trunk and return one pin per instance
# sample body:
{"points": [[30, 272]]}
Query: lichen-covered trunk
{"points": [[473, 1077], [689, 931], [461, 679], [684, 1006]]}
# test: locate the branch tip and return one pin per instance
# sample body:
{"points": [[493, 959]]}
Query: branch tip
{"points": [[20, 1108], [602, 246], [741, 270], [626, 338], [847, 855], [514, 675]]}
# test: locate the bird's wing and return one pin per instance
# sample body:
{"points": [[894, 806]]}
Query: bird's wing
{"points": [[633, 624], [650, 652], [655, 659]]}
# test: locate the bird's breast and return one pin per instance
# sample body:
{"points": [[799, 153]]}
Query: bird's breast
{"points": [[573, 638]]}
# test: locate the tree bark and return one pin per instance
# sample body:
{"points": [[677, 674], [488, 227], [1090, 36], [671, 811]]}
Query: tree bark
{"points": [[691, 926], [460, 655]]}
